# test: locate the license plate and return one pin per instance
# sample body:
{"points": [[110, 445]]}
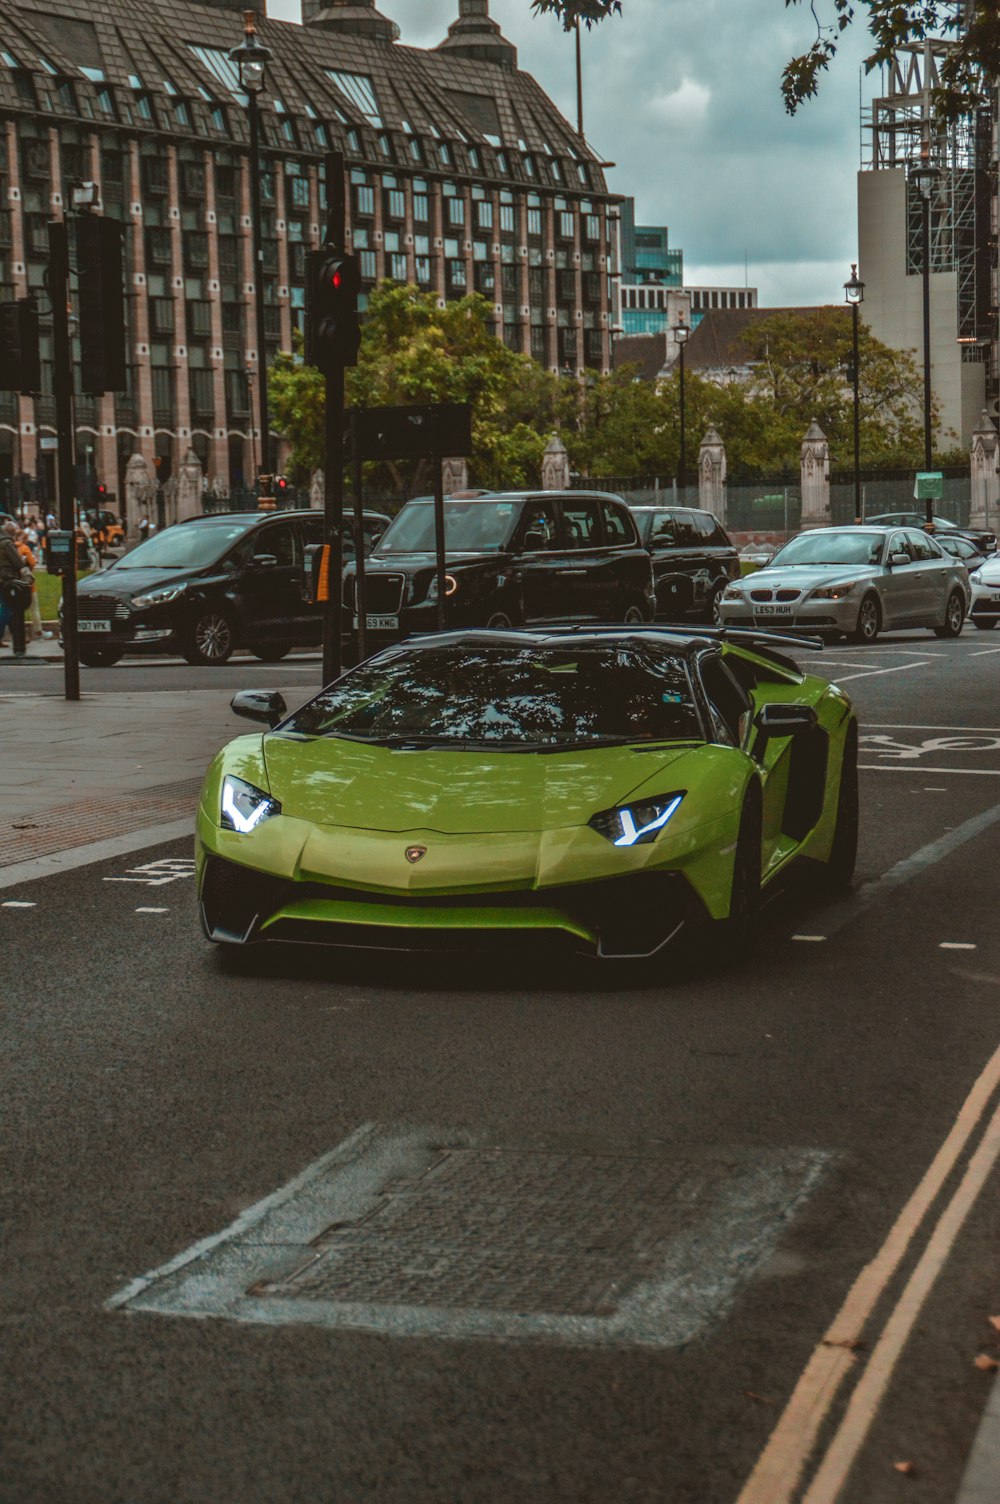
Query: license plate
{"points": [[995, 596], [93, 626], [380, 623], [772, 610]]}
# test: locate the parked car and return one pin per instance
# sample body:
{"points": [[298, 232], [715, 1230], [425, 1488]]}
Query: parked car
{"points": [[962, 548], [984, 538], [854, 581], [204, 587], [693, 560], [513, 557], [107, 522], [985, 582], [756, 555]]}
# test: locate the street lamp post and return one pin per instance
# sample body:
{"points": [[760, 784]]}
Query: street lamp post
{"points": [[681, 332], [925, 175], [854, 296], [252, 58]]}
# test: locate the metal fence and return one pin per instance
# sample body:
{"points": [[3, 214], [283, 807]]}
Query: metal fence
{"points": [[639, 490]]}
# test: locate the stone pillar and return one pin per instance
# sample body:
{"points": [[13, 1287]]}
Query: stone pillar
{"points": [[555, 466], [815, 472], [140, 494], [190, 479], [983, 459], [455, 474], [712, 474], [317, 490]]}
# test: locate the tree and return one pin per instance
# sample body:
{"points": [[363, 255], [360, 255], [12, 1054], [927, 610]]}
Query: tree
{"points": [[966, 74]]}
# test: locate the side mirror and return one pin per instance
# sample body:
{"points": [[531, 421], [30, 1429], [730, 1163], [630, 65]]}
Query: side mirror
{"points": [[264, 561], [898, 560], [265, 705], [785, 720], [533, 542]]}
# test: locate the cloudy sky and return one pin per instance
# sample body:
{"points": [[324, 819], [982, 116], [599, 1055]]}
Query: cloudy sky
{"points": [[684, 96]]}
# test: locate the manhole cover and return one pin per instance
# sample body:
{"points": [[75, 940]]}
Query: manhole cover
{"points": [[411, 1233]]}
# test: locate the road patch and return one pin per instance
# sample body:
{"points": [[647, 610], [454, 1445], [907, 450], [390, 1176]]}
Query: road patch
{"points": [[434, 1233]]}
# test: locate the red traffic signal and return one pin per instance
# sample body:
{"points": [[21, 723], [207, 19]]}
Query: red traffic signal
{"points": [[333, 333]]}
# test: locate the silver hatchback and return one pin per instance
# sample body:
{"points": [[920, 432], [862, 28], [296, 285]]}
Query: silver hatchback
{"points": [[853, 581]]}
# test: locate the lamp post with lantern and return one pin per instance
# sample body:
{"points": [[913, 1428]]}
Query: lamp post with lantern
{"points": [[681, 332], [925, 175], [854, 296], [251, 58]]}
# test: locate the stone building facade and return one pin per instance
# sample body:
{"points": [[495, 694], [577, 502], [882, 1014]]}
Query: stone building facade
{"points": [[462, 176]]}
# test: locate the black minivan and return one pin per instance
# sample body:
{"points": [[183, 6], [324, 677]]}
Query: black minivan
{"points": [[206, 586]]}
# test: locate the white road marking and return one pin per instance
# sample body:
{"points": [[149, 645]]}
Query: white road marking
{"points": [[889, 746], [933, 789], [956, 945], [982, 652], [809, 937], [901, 726], [13, 903], [152, 911], [873, 673], [155, 874], [95, 851], [899, 767]]}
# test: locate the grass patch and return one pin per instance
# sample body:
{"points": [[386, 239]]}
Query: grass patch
{"points": [[50, 592]]}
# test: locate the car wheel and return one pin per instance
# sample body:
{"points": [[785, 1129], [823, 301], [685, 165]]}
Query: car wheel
{"points": [[839, 867], [271, 652], [92, 657], [499, 622], [744, 903], [869, 620], [715, 606], [210, 640], [954, 616], [983, 624]]}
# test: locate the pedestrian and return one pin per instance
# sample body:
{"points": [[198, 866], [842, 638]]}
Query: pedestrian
{"points": [[15, 591], [143, 528], [23, 545]]}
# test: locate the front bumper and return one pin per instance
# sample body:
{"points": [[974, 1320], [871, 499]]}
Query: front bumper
{"points": [[801, 615], [985, 604], [628, 917]]}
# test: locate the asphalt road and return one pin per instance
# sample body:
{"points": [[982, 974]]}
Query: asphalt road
{"points": [[154, 1095]]}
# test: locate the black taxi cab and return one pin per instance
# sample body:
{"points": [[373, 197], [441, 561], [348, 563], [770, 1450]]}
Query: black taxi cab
{"points": [[512, 557]]}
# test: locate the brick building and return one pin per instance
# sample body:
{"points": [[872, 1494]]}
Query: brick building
{"points": [[463, 175]]}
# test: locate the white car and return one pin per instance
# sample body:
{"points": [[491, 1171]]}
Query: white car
{"points": [[984, 612]]}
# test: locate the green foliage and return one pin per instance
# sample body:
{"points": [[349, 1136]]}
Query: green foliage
{"points": [[571, 12]]}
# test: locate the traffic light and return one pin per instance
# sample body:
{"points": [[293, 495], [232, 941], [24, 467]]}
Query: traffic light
{"points": [[281, 487], [99, 257], [20, 362], [333, 333]]}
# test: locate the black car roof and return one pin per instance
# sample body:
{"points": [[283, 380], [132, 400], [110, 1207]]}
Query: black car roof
{"points": [[251, 517], [682, 639]]}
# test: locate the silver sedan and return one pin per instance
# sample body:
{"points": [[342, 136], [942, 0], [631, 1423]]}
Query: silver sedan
{"points": [[853, 581]]}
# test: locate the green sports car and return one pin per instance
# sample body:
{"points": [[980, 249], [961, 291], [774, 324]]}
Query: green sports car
{"points": [[606, 787]]}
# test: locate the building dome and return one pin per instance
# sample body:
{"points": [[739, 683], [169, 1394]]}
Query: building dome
{"points": [[475, 36], [356, 18]]}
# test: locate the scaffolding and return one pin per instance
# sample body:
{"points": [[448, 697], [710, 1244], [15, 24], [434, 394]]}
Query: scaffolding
{"points": [[899, 130]]}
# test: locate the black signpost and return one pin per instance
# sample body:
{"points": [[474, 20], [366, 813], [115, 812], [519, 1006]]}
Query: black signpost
{"points": [[395, 433]]}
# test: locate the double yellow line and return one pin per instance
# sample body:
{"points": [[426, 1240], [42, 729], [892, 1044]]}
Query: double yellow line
{"points": [[781, 1466]]}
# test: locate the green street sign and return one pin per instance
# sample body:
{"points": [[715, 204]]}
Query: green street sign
{"points": [[928, 486]]}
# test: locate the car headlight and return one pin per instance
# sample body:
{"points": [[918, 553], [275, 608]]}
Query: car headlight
{"points": [[732, 593], [450, 586], [637, 824], [974, 574], [157, 597], [834, 592], [244, 807]]}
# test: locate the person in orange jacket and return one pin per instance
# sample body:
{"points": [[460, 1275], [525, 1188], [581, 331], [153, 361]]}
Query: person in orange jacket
{"points": [[34, 611]]}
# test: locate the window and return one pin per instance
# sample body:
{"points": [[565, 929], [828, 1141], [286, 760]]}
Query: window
{"points": [[395, 203], [300, 192], [456, 211], [507, 219], [202, 393], [364, 200], [421, 207], [397, 268], [919, 546], [161, 315], [484, 215], [456, 275], [565, 225], [534, 222], [485, 277], [539, 531], [368, 266], [728, 700], [618, 528], [359, 89], [663, 533], [278, 541], [199, 319], [582, 522]]}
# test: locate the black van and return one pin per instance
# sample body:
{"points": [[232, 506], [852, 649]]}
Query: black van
{"points": [[204, 587]]}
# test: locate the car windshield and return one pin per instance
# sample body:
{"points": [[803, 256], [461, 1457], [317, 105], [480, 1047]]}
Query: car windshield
{"points": [[521, 698], [644, 522], [479, 526], [184, 547], [829, 548]]}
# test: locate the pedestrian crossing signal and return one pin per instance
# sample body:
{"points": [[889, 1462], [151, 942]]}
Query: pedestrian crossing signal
{"points": [[333, 334]]}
